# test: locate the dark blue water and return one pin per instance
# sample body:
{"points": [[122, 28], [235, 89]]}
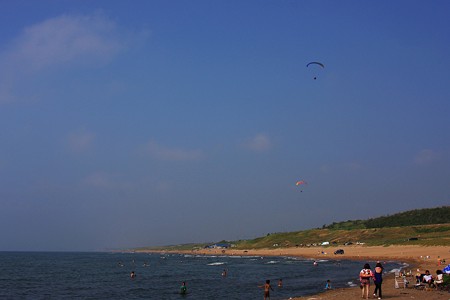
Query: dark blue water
{"points": [[48, 275]]}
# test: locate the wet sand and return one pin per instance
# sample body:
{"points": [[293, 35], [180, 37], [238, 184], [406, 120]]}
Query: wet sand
{"points": [[418, 257]]}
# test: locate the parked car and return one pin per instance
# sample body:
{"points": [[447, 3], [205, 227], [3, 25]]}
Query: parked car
{"points": [[339, 251]]}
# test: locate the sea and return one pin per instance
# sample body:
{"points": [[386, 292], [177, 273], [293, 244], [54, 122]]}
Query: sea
{"points": [[106, 275]]}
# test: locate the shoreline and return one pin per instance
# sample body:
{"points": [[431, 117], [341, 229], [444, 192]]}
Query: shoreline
{"points": [[417, 257]]}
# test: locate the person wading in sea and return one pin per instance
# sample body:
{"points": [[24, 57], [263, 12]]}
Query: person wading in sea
{"points": [[267, 287]]}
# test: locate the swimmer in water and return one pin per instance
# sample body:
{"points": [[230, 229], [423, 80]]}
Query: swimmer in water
{"points": [[183, 288]]}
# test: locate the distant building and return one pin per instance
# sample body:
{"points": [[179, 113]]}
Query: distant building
{"points": [[218, 246]]}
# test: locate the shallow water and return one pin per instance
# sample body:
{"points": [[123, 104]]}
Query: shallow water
{"points": [[51, 275]]}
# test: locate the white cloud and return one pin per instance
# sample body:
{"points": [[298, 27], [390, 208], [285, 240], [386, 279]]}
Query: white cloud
{"points": [[161, 152], [425, 157], [80, 141], [108, 180], [353, 166], [99, 180], [163, 186], [67, 39], [259, 143], [60, 42], [325, 169], [341, 167]]}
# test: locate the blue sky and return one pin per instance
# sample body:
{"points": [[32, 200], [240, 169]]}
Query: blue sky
{"points": [[127, 124]]}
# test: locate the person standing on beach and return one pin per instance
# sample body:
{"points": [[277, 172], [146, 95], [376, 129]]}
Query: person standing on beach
{"points": [[364, 278], [267, 287], [378, 279]]}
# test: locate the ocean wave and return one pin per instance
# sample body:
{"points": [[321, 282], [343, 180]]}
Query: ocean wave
{"points": [[216, 264], [271, 262]]}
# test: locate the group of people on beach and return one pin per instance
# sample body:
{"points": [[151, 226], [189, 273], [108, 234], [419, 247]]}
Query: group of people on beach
{"points": [[366, 275], [428, 279]]}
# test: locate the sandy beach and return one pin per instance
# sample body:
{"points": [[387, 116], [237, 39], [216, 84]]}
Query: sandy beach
{"points": [[418, 257]]}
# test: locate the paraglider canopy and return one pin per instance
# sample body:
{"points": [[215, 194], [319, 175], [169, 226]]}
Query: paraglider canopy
{"points": [[316, 63], [301, 183]]}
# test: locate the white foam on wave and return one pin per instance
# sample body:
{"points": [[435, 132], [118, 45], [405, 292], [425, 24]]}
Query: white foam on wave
{"points": [[272, 262], [216, 264], [394, 270], [350, 283], [291, 258]]}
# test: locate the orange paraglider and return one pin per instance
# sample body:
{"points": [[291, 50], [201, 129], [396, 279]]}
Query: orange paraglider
{"points": [[301, 183]]}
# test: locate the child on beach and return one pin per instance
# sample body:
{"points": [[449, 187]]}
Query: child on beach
{"points": [[364, 278], [328, 285], [267, 287]]}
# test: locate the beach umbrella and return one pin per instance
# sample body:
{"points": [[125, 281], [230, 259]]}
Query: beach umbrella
{"points": [[446, 269]]}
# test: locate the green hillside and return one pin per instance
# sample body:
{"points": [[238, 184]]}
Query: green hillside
{"points": [[415, 227], [429, 235], [430, 226], [426, 216]]}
